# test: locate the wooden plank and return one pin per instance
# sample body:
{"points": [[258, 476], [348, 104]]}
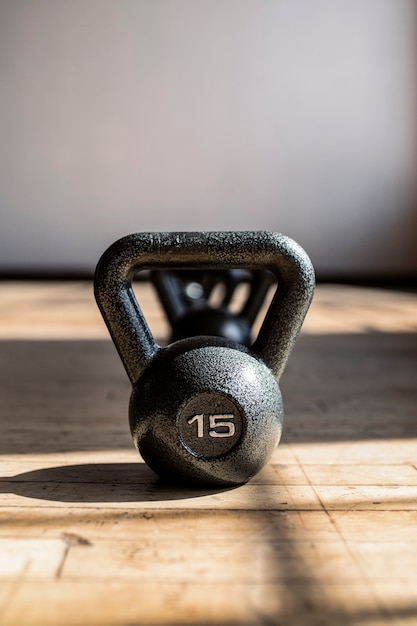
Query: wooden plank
{"points": [[158, 496], [368, 498], [208, 560], [397, 451], [127, 467], [384, 526], [359, 475], [179, 525], [74, 603]]}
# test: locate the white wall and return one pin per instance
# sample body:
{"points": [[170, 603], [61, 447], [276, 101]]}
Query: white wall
{"points": [[126, 115]]}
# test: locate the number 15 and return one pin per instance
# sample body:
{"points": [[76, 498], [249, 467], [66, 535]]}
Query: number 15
{"points": [[215, 421]]}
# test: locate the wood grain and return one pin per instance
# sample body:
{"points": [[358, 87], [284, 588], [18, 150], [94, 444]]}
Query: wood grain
{"points": [[324, 535]]}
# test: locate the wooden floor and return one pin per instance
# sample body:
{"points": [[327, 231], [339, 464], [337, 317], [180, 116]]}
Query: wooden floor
{"points": [[326, 534]]}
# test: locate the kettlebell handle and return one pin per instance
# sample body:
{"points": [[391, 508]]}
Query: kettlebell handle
{"points": [[205, 250]]}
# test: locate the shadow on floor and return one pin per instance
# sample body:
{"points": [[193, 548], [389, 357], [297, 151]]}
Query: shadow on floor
{"points": [[101, 482], [63, 396]]}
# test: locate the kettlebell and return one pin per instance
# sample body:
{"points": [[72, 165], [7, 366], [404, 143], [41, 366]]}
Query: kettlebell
{"points": [[205, 411], [185, 298]]}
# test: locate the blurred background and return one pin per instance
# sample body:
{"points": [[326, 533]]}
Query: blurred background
{"points": [[119, 116]]}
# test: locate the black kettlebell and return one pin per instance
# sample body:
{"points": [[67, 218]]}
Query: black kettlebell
{"points": [[205, 410], [185, 298]]}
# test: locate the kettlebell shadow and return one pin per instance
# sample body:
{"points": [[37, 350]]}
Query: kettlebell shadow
{"points": [[97, 483]]}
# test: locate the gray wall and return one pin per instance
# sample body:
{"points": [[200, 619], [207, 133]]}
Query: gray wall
{"points": [[126, 115]]}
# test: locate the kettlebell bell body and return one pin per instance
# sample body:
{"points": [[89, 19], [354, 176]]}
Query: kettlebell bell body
{"points": [[205, 410]]}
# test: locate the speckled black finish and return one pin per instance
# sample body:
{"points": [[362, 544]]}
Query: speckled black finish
{"points": [[207, 371], [231, 390]]}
